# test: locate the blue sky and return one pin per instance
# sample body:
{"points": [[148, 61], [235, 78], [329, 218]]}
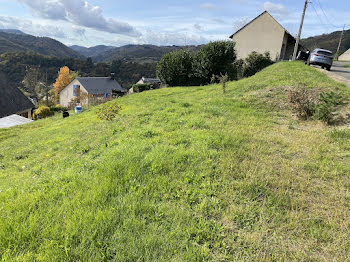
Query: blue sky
{"points": [[162, 22]]}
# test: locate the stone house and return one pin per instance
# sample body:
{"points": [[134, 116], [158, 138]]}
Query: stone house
{"points": [[83, 89], [264, 34]]}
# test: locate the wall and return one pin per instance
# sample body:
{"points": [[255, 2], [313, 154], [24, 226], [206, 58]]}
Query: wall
{"points": [[262, 35], [66, 94]]}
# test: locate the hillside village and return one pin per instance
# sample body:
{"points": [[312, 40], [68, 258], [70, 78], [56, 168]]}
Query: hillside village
{"points": [[232, 150]]}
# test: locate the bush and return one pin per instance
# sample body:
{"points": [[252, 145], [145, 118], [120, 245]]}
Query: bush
{"points": [[310, 103], [215, 58], [42, 112], [58, 108], [138, 88], [175, 68], [109, 111], [255, 62], [327, 108]]}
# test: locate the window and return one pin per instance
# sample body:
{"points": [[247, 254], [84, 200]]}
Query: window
{"points": [[76, 90]]}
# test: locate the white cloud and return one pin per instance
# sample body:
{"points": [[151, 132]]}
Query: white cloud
{"points": [[208, 6], [79, 12], [198, 27], [156, 38], [276, 9], [27, 26]]}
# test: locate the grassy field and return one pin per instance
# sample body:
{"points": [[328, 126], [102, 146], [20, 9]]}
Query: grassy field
{"points": [[182, 174]]}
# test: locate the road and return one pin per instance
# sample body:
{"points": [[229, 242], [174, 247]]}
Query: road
{"points": [[339, 69], [338, 72]]}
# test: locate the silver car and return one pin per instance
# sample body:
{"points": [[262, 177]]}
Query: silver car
{"points": [[321, 57]]}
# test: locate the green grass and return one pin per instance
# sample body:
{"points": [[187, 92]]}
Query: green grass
{"points": [[347, 66], [182, 174]]}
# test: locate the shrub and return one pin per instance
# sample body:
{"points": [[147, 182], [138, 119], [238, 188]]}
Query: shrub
{"points": [[109, 111], [175, 68], [58, 108], [215, 58], [138, 88], [303, 101], [42, 112], [255, 62], [310, 103], [327, 107]]}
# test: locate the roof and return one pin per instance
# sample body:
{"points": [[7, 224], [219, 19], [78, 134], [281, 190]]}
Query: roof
{"points": [[150, 80], [265, 12], [99, 85], [12, 100], [13, 120]]}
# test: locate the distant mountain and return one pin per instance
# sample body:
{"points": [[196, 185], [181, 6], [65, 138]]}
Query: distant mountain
{"points": [[12, 31], [328, 41], [91, 51], [133, 53], [19, 42]]}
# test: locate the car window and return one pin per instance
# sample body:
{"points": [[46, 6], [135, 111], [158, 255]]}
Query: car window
{"points": [[324, 53]]}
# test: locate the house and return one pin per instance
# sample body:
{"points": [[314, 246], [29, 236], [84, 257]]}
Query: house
{"points": [[155, 83], [145, 80], [13, 101], [345, 56], [265, 34], [88, 88]]}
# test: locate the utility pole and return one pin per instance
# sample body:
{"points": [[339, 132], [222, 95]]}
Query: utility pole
{"points": [[299, 34], [340, 40]]}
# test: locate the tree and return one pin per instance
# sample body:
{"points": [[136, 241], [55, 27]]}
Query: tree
{"points": [[215, 58], [255, 62], [63, 79], [175, 68], [32, 82]]}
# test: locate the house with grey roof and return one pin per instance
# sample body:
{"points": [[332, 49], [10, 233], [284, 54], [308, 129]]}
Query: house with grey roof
{"points": [[13, 101], [83, 89], [146, 80], [265, 34]]}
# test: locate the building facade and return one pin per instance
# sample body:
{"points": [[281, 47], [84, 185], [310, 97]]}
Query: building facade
{"points": [[83, 89], [264, 34]]}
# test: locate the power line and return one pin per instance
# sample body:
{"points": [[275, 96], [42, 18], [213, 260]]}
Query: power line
{"points": [[319, 17], [319, 3]]}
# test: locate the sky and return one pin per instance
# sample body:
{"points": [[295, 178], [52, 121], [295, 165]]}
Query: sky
{"points": [[162, 22]]}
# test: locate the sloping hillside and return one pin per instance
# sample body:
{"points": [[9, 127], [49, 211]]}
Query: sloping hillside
{"points": [[138, 53], [91, 51], [182, 174], [15, 42], [328, 41]]}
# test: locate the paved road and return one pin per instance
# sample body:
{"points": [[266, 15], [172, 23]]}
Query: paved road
{"points": [[339, 69]]}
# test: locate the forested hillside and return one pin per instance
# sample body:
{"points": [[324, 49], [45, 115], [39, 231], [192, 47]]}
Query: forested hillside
{"points": [[14, 66], [134, 53], [13, 41], [91, 51], [328, 41]]}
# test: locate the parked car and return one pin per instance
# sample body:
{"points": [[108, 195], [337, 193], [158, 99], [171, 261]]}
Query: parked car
{"points": [[321, 57]]}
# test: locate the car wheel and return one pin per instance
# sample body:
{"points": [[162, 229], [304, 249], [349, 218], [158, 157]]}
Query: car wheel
{"points": [[322, 67], [328, 68]]}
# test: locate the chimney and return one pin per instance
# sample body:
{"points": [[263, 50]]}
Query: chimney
{"points": [[112, 76]]}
